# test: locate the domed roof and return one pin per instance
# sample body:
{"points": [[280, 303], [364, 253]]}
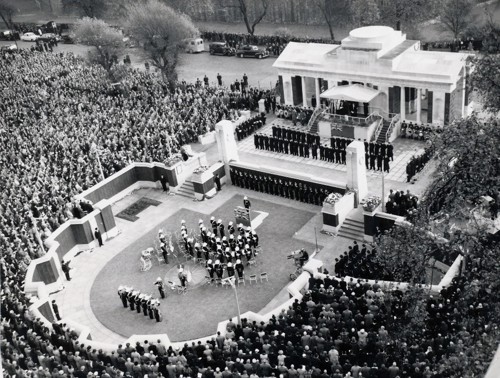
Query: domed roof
{"points": [[371, 32]]}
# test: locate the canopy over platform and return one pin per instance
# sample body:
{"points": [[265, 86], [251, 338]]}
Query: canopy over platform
{"points": [[353, 92]]}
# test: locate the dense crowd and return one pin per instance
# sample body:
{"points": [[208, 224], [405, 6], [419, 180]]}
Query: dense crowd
{"points": [[58, 114], [273, 44], [339, 329], [295, 113]]}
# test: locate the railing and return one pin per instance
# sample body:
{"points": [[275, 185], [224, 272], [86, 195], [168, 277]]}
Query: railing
{"points": [[314, 117], [350, 120], [382, 113], [391, 127], [378, 129]]}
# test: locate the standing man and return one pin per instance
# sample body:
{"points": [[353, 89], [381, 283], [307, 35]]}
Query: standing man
{"points": [[182, 277], [219, 80], [217, 182], [245, 80], [55, 308], [98, 236], [65, 268], [164, 252], [161, 287], [246, 203], [164, 184], [122, 293]]}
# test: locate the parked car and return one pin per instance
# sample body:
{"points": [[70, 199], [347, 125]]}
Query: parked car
{"points": [[46, 37], [221, 48], [29, 37], [11, 47], [8, 35], [250, 51]]}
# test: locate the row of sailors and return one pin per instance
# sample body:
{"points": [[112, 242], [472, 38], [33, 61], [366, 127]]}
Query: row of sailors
{"points": [[248, 127], [218, 268], [138, 301], [290, 134]]}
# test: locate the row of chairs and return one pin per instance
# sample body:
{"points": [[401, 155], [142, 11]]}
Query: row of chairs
{"points": [[239, 280]]}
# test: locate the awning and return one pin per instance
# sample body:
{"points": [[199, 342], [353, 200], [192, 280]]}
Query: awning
{"points": [[353, 92]]}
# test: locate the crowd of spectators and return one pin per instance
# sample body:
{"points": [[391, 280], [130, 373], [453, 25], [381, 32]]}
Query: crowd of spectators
{"points": [[273, 44], [58, 114]]}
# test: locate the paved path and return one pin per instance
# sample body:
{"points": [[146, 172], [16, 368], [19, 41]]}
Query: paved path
{"points": [[74, 301]]}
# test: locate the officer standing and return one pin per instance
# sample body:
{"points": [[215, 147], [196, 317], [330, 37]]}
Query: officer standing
{"points": [[161, 287], [246, 203], [219, 79], [98, 236]]}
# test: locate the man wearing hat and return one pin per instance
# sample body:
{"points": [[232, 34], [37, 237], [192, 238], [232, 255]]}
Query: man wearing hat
{"points": [[246, 203], [221, 228], [230, 228], [182, 277], [239, 268], [213, 222], [98, 236], [164, 252], [155, 304], [55, 308], [230, 270], [122, 293], [161, 287]]}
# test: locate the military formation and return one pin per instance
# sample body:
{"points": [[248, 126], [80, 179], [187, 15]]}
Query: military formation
{"points": [[140, 302], [378, 156], [294, 189], [226, 249], [250, 126], [417, 163]]}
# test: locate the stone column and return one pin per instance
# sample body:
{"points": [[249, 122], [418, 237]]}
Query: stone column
{"points": [[226, 144], [402, 105], [438, 101], [287, 89], [304, 91], [419, 105], [356, 169], [316, 83]]}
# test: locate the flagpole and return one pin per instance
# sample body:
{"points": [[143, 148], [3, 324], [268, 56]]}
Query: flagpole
{"points": [[232, 282]]}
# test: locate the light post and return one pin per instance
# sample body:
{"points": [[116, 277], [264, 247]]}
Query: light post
{"points": [[232, 282], [383, 190]]}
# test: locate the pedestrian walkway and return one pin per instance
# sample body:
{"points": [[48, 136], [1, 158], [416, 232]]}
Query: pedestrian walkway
{"points": [[404, 150]]}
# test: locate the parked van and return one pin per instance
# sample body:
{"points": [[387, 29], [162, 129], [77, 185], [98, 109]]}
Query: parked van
{"points": [[194, 45]]}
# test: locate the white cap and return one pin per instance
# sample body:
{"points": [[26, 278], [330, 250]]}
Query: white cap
{"points": [[200, 221], [230, 223], [181, 269], [204, 244], [217, 262], [238, 261], [227, 249], [219, 221], [224, 238], [209, 261], [183, 221], [245, 198], [212, 218], [229, 265], [158, 279]]}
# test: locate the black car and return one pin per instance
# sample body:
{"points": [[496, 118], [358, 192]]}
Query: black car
{"points": [[221, 48], [250, 51]]}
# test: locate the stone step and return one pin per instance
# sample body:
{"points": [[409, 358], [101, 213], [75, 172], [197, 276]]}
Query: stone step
{"points": [[353, 228], [353, 236], [186, 190]]}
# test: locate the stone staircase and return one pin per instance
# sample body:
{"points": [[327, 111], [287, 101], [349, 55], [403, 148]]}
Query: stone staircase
{"points": [[313, 122], [352, 229], [383, 133], [186, 190]]}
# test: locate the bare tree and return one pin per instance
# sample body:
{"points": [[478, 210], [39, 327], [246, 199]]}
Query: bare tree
{"points": [[161, 30], [7, 11], [335, 12], [107, 41], [260, 12], [455, 15], [89, 8], [365, 12]]}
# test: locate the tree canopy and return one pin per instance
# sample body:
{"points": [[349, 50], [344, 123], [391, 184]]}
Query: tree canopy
{"points": [[108, 42], [455, 15], [161, 30], [88, 8]]}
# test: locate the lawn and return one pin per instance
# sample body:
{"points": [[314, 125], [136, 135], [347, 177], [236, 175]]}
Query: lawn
{"points": [[197, 313]]}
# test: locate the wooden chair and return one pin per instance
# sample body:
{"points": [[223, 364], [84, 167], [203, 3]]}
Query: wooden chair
{"points": [[263, 276], [252, 277], [218, 282], [241, 281]]}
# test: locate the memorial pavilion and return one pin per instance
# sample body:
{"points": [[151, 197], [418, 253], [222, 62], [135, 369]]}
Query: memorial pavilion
{"points": [[375, 71]]}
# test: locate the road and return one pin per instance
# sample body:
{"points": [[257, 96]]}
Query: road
{"points": [[192, 66]]}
